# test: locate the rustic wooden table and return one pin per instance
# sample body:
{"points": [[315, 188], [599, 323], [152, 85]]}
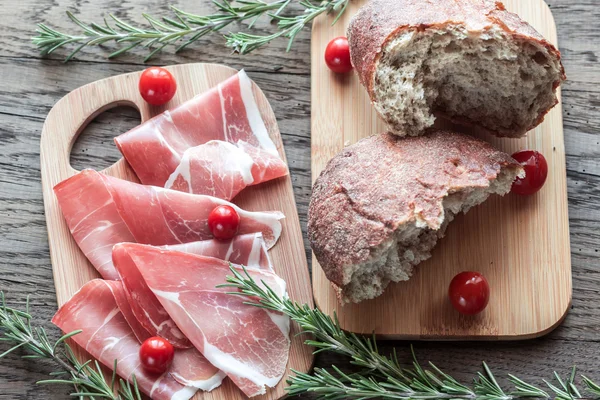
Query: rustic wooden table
{"points": [[30, 85]]}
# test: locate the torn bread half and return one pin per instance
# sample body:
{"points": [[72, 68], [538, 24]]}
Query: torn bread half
{"points": [[380, 206], [470, 61]]}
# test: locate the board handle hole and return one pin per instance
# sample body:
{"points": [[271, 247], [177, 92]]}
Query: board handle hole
{"points": [[94, 146]]}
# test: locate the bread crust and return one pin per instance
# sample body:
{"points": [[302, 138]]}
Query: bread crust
{"points": [[371, 188], [380, 21]]}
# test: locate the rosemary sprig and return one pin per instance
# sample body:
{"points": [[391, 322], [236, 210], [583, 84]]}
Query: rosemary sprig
{"points": [[159, 34], [382, 376], [185, 28], [86, 378], [289, 27]]}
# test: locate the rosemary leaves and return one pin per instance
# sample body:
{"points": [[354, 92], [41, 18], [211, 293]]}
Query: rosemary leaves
{"points": [[382, 376], [86, 378], [183, 28]]}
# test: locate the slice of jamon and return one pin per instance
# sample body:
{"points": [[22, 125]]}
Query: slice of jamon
{"points": [[249, 344], [102, 211], [189, 366], [227, 113], [107, 336], [118, 291], [222, 170], [248, 250], [146, 308]]}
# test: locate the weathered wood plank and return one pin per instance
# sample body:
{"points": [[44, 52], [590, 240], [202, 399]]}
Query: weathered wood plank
{"points": [[30, 12], [31, 86]]}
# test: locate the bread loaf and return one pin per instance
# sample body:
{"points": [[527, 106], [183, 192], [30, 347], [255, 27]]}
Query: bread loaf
{"points": [[380, 206], [470, 61]]}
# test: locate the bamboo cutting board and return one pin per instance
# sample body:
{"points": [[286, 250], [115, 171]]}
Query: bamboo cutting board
{"points": [[521, 244], [71, 270]]}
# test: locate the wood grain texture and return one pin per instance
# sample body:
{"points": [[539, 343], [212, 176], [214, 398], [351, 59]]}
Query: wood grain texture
{"points": [[69, 117], [529, 275], [31, 85]]}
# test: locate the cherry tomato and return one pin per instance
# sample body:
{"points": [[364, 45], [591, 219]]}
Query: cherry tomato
{"points": [[536, 172], [337, 55], [157, 85], [156, 355], [223, 222], [469, 293]]}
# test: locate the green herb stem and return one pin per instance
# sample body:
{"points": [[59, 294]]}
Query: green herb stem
{"points": [[185, 28], [379, 376], [86, 378], [382, 376], [289, 27]]}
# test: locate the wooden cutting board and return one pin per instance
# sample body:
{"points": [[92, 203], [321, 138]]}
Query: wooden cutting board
{"points": [[521, 244], [67, 120]]}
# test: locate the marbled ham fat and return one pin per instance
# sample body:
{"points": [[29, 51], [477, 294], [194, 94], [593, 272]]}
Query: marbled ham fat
{"points": [[248, 250], [249, 344], [214, 144], [102, 211], [93, 219], [222, 170], [189, 366], [107, 336]]}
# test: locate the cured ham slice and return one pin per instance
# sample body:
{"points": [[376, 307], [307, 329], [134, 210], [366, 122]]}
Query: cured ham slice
{"points": [[249, 344], [144, 305], [248, 250], [222, 170], [102, 211], [189, 366], [93, 219], [118, 292], [107, 336], [216, 143]]}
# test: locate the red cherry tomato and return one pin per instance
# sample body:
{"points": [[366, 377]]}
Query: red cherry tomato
{"points": [[157, 85], [536, 172], [156, 355], [469, 293], [223, 222], [337, 55]]}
